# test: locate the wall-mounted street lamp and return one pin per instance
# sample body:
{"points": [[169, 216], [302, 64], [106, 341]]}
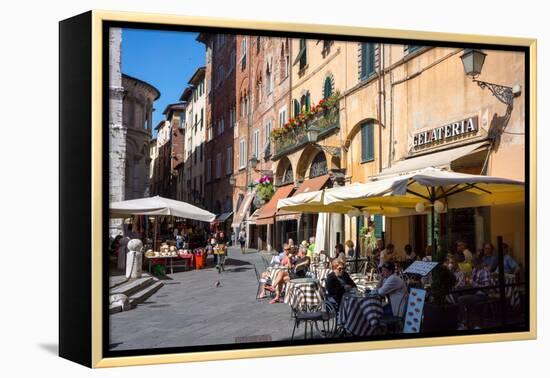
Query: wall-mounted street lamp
{"points": [[472, 60], [312, 135], [252, 165]]}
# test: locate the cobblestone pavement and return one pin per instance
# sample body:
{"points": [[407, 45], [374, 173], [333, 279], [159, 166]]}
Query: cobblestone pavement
{"points": [[190, 310]]}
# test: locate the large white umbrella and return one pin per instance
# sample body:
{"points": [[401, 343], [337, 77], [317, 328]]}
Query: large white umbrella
{"points": [[159, 206]]}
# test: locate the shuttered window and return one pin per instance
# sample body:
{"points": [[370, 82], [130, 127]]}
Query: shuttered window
{"points": [[327, 90], [367, 142], [296, 108], [367, 60], [378, 226]]}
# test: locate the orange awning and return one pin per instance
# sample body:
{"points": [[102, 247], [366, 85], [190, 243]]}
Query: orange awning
{"points": [[310, 185], [267, 212], [240, 214]]}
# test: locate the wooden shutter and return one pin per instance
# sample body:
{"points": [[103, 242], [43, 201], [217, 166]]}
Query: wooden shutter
{"points": [[378, 226], [367, 142], [328, 88], [296, 108]]}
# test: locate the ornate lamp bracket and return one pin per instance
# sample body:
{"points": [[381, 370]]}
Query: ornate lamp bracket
{"points": [[502, 93]]}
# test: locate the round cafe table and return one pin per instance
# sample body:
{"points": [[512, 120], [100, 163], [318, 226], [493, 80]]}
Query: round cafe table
{"points": [[311, 293], [359, 314]]}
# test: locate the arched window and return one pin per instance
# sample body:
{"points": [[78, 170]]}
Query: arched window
{"points": [[327, 89], [288, 176], [259, 90], [318, 166]]}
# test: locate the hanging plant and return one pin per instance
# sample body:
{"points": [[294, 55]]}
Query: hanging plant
{"points": [[264, 188]]}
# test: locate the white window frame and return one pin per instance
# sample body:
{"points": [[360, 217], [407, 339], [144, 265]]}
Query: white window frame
{"points": [[283, 116], [256, 144], [267, 130], [242, 153]]}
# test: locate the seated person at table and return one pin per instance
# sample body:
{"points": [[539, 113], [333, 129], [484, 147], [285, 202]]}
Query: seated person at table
{"points": [[351, 249], [311, 247], [388, 255], [338, 281], [481, 276], [452, 265], [297, 268], [463, 254], [283, 260], [510, 265], [339, 252], [428, 254], [392, 286], [410, 255], [489, 258]]}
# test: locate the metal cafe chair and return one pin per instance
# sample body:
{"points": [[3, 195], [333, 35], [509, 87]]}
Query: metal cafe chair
{"points": [[395, 323], [304, 313], [261, 283]]}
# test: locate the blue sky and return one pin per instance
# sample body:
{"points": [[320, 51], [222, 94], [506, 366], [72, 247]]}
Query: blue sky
{"points": [[164, 59]]}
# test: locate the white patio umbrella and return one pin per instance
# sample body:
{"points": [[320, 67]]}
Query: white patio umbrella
{"points": [[155, 206], [159, 206]]}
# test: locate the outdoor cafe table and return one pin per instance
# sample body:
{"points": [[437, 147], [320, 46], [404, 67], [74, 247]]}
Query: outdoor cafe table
{"points": [[308, 286], [360, 313]]}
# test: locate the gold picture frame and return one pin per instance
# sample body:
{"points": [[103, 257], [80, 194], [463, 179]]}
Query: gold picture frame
{"points": [[92, 355]]}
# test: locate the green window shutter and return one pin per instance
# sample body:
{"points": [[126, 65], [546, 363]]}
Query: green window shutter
{"points": [[378, 226], [370, 146], [327, 92], [367, 142], [363, 61], [296, 108], [308, 101], [367, 60]]}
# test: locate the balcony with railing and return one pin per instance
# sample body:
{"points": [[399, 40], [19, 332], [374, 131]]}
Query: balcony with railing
{"points": [[326, 123]]}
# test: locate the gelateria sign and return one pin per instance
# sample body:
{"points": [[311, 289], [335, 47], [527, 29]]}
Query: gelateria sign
{"points": [[451, 131]]}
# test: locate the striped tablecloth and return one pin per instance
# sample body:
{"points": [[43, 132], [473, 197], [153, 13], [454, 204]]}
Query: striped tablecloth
{"points": [[359, 314], [274, 271], [511, 292], [311, 294], [322, 274]]}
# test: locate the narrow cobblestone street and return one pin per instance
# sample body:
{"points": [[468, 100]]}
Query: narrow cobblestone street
{"points": [[190, 310]]}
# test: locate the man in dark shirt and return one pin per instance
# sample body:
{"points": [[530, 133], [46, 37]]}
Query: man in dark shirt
{"points": [[301, 264]]}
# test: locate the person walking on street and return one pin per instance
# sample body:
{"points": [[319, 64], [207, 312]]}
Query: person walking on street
{"points": [[242, 239]]}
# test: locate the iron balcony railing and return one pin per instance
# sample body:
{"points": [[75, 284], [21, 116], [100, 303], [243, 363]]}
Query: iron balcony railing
{"points": [[293, 140]]}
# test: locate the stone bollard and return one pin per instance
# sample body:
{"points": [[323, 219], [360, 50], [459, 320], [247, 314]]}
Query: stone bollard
{"points": [[121, 254], [134, 259]]}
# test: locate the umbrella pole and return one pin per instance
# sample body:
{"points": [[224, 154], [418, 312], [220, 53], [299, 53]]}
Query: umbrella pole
{"points": [[155, 234], [434, 243]]}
